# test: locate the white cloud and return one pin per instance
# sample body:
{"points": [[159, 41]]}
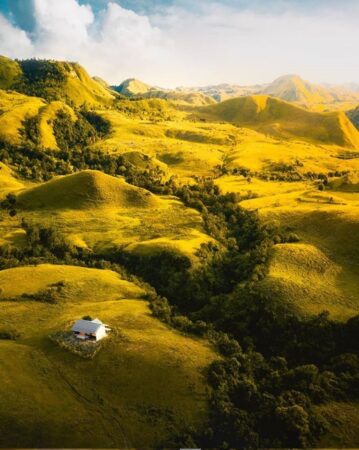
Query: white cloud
{"points": [[215, 43], [13, 41]]}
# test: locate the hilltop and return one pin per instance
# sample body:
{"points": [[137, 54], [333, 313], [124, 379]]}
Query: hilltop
{"points": [[132, 87], [291, 88], [280, 118], [86, 189], [137, 89], [53, 80]]}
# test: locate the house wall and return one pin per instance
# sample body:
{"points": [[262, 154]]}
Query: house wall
{"points": [[101, 333]]}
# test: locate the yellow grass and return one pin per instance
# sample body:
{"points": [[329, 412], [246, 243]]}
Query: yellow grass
{"points": [[103, 213], [8, 183], [15, 108], [86, 189], [47, 115], [145, 374], [343, 418], [280, 118], [309, 281]]}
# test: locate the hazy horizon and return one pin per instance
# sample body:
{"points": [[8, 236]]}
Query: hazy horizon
{"points": [[175, 43]]}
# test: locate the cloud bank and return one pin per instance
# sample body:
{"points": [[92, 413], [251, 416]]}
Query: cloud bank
{"points": [[181, 45]]}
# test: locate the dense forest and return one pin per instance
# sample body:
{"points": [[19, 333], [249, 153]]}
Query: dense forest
{"points": [[275, 367]]}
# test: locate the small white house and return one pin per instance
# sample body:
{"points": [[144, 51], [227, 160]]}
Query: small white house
{"points": [[91, 330]]}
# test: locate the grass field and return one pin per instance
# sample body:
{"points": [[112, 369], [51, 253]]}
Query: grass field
{"points": [[8, 182], [103, 213], [343, 419], [144, 383], [279, 118], [321, 271], [14, 109]]}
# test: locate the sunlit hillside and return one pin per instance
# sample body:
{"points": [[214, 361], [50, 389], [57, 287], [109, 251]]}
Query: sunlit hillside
{"points": [[39, 380], [199, 230], [291, 88], [280, 118], [53, 80]]}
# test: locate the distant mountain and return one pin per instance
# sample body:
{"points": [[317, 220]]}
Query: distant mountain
{"points": [[353, 87], [291, 88], [280, 118], [134, 88], [53, 80], [224, 91], [294, 89]]}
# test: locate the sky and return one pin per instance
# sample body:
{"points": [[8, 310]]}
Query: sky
{"points": [[173, 43]]}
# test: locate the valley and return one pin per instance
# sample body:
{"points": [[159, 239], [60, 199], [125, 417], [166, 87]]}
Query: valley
{"points": [[204, 232]]}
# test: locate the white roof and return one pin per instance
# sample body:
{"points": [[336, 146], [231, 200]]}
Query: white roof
{"points": [[97, 321], [86, 326]]}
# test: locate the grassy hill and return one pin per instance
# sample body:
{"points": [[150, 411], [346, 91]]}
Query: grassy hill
{"points": [[8, 182], [53, 80], [10, 72], [16, 109], [103, 213], [293, 88], [137, 89], [320, 271], [297, 168], [132, 87], [87, 189], [279, 118], [144, 383]]}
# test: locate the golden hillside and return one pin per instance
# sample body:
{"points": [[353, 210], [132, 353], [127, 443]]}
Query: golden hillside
{"points": [[280, 118], [87, 189], [54, 80]]}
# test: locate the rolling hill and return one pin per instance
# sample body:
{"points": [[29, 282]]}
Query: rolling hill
{"points": [[280, 118], [53, 80], [297, 169], [132, 87], [10, 72], [137, 89], [144, 383], [291, 88], [14, 110], [8, 182], [87, 189]]}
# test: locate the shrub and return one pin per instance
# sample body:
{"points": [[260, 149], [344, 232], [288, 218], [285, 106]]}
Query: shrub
{"points": [[9, 334]]}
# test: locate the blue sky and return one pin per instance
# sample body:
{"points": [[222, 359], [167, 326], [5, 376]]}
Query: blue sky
{"points": [[189, 42]]}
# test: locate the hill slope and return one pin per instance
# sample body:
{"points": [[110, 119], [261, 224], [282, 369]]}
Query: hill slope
{"points": [[276, 117], [137, 89], [87, 189], [294, 89], [132, 87], [144, 375], [291, 88], [10, 72], [53, 80], [354, 116], [14, 110]]}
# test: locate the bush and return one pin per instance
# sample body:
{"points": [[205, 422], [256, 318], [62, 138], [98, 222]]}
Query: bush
{"points": [[87, 318], [9, 334]]}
